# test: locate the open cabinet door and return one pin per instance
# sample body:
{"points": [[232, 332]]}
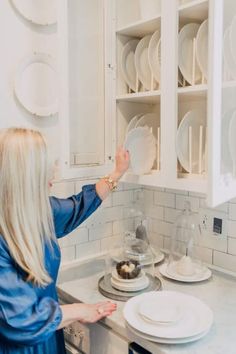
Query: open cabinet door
{"points": [[222, 102]]}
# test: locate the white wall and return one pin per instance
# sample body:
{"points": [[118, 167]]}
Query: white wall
{"points": [[19, 39]]}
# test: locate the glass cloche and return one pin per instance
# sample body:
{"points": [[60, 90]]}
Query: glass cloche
{"points": [[129, 269], [184, 259]]}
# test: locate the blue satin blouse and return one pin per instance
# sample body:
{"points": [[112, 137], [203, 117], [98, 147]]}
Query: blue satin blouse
{"points": [[30, 315]]}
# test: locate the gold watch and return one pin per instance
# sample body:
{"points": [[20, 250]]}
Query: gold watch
{"points": [[112, 184]]}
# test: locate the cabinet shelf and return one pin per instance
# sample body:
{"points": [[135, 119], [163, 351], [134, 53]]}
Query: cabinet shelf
{"points": [[194, 11], [191, 92], [151, 97], [141, 28]]}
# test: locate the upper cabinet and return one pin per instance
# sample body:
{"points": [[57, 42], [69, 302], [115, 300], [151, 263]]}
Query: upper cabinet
{"points": [[158, 72], [86, 133]]}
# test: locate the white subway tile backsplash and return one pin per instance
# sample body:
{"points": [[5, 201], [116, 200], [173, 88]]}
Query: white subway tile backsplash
{"points": [[79, 184], [180, 202], [162, 227], [177, 191], [107, 203], [232, 228], [214, 242], [123, 198], [130, 204], [224, 260], [148, 197], [120, 226], [101, 231], [88, 249], [68, 254], [232, 246], [110, 243], [232, 211], [155, 212], [62, 189], [171, 214], [77, 236], [164, 199], [157, 241]]}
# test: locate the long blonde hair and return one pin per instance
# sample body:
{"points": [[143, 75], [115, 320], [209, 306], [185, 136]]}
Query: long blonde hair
{"points": [[25, 214]]}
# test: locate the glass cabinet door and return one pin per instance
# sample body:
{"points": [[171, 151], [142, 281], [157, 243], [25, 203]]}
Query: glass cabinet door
{"points": [[222, 102]]}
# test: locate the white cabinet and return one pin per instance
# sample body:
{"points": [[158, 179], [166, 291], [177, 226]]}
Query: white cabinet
{"points": [[169, 101]]}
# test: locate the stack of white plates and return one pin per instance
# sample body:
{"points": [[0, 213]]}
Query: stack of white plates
{"points": [[139, 283], [141, 61], [187, 35], [168, 317]]}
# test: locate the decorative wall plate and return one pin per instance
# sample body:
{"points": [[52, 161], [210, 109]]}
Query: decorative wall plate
{"points": [[39, 12], [36, 85]]}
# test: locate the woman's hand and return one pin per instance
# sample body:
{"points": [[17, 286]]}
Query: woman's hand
{"points": [[93, 313], [85, 313], [122, 163]]}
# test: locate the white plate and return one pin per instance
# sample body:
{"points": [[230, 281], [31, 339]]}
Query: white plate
{"points": [[133, 123], [36, 85], [194, 119], [40, 12], [186, 279], [160, 308], [132, 286], [154, 55], [141, 145], [127, 63], [150, 120], [202, 48], [186, 36], [197, 317], [226, 160], [116, 277], [166, 341], [142, 64], [232, 141], [228, 56], [232, 36]]}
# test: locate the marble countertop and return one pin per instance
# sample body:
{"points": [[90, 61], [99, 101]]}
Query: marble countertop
{"points": [[79, 283]]}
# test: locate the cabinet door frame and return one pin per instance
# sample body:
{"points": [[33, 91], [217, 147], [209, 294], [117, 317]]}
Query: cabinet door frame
{"points": [[66, 170], [221, 188]]}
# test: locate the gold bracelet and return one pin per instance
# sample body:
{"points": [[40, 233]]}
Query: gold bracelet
{"points": [[110, 182]]}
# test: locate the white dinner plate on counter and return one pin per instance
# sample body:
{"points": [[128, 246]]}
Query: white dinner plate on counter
{"points": [[196, 319], [172, 273], [127, 63], [165, 340]]}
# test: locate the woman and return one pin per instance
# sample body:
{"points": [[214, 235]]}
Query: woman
{"points": [[31, 320]]}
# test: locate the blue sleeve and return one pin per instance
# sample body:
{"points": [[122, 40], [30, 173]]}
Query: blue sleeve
{"points": [[71, 212], [25, 319]]}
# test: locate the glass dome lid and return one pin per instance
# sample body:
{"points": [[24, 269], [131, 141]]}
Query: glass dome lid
{"points": [[184, 259]]}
